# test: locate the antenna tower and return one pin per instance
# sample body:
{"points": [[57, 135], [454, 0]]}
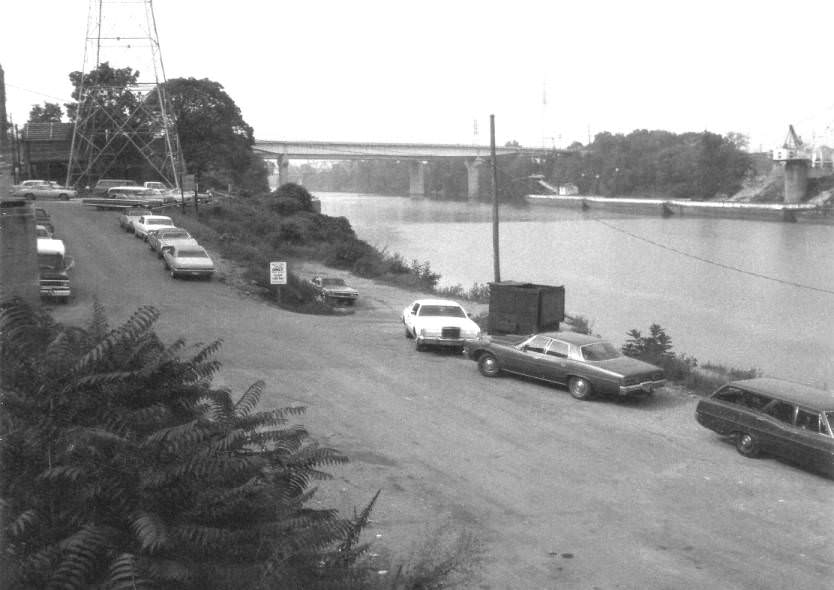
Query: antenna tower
{"points": [[123, 130]]}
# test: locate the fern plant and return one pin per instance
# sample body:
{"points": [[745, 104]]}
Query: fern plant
{"points": [[123, 468]]}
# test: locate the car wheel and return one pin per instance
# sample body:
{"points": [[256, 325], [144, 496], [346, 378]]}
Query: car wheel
{"points": [[29, 196], [580, 388], [173, 274], [420, 346], [488, 365], [63, 197], [408, 333], [747, 444]]}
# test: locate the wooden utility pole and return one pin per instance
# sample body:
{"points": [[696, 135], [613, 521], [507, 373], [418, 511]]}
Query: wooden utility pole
{"points": [[495, 259]]}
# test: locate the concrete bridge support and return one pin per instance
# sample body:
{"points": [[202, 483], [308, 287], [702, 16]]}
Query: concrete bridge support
{"points": [[472, 178], [283, 170], [416, 178], [796, 180]]}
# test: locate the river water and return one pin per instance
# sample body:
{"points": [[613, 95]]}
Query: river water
{"points": [[742, 293]]}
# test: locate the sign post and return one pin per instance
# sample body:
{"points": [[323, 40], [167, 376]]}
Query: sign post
{"points": [[278, 276]]}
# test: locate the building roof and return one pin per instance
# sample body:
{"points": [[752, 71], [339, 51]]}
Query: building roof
{"points": [[47, 132]]}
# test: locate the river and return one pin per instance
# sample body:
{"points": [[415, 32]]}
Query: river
{"points": [[745, 294]]}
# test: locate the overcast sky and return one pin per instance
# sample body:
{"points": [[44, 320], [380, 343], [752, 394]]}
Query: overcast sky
{"points": [[433, 71]]}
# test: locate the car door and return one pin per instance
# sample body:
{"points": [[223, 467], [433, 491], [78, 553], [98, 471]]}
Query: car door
{"points": [[527, 360], [411, 315], [809, 441], [775, 427], [553, 364]]}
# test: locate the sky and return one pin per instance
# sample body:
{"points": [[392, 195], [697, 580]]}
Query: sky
{"points": [[551, 72]]}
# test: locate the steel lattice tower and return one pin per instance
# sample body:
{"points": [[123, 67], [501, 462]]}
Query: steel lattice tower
{"points": [[112, 120]]}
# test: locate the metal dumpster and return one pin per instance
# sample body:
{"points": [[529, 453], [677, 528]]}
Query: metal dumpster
{"points": [[524, 308]]}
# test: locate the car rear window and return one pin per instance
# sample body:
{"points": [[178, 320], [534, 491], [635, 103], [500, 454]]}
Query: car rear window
{"points": [[192, 254], [450, 311]]}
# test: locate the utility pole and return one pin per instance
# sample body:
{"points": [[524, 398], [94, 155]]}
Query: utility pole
{"points": [[495, 261]]}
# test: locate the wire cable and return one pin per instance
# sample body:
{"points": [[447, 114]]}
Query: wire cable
{"points": [[713, 262]]}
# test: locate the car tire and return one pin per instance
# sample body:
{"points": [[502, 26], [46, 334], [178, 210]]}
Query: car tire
{"points": [[63, 197], [408, 333], [174, 274], [29, 197], [488, 365], [420, 346], [580, 388], [747, 444]]}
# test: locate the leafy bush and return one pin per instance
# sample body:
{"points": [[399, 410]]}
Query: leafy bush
{"points": [[295, 192], [656, 348], [123, 468]]}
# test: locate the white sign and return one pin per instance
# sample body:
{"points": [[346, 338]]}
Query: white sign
{"points": [[277, 273]]}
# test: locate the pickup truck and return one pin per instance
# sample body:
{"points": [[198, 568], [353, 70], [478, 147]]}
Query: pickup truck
{"points": [[53, 265]]}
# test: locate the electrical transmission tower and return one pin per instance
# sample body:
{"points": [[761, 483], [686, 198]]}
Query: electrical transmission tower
{"points": [[123, 124]]}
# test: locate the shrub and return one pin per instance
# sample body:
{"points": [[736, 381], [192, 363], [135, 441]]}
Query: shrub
{"points": [[123, 468], [295, 192], [656, 348]]}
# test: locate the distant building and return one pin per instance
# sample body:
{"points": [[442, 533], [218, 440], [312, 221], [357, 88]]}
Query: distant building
{"points": [[45, 149]]}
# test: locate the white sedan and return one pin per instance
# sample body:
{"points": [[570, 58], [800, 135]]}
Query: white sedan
{"points": [[439, 322], [149, 223]]}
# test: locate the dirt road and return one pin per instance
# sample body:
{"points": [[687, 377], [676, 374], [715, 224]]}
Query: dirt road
{"points": [[560, 493]]}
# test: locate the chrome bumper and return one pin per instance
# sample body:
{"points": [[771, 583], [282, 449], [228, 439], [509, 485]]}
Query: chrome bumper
{"points": [[644, 387]]}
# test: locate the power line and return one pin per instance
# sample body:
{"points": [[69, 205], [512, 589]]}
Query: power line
{"points": [[713, 262]]}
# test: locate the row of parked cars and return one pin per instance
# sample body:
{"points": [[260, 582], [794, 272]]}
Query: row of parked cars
{"points": [[181, 254], [762, 415]]}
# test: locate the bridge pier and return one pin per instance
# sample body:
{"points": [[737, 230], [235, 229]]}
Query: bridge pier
{"points": [[416, 178], [472, 177], [283, 170], [796, 180]]}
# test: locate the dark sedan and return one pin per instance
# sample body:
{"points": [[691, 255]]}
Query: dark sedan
{"points": [[765, 415], [585, 364]]}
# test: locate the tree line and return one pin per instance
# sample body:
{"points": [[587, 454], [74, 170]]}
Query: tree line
{"points": [[657, 163]]}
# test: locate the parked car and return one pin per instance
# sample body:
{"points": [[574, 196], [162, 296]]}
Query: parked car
{"points": [[187, 261], [100, 188], [439, 322], [334, 290], [42, 218], [586, 365], [782, 418], [129, 215], [170, 236], [147, 223], [44, 190]]}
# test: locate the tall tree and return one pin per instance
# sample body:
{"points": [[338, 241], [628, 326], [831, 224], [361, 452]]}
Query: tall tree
{"points": [[110, 112], [216, 141], [50, 112]]}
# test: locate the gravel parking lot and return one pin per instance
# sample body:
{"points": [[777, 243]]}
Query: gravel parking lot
{"points": [[559, 493]]}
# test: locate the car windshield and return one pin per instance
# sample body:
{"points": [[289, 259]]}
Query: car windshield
{"points": [[599, 351], [452, 311], [192, 254], [333, 282], [50, 261]]}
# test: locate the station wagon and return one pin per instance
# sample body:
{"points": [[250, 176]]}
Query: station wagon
{"points": [[782, 418]]}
